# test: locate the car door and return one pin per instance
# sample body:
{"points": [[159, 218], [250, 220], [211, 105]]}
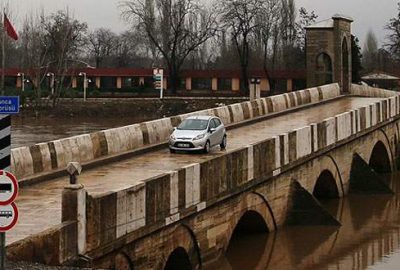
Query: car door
{"points": [[213, 135], [220, 130]]}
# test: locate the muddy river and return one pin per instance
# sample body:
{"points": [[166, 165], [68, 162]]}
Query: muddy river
{"points": [[369, 238]]}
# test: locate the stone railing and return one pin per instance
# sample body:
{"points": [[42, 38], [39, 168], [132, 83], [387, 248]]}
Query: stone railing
{"points": [[367, 91], [30, 161], [169, 197]]}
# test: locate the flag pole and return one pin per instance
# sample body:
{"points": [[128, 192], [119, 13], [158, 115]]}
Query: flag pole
{"points": [[3, 54]]}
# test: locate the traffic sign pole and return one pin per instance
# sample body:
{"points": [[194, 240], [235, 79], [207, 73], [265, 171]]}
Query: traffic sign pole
{"points": [[5, 124], [8, 106], [3, 250]]}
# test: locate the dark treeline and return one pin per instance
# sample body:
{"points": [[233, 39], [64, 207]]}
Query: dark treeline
{"points": [[175, 34], [183, 34]]}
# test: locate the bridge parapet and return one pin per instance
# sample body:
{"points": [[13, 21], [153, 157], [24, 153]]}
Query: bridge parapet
{"points": [[50, 157], [115, 219], [367, 91]]}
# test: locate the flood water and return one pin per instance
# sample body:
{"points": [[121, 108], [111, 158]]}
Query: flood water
{"points": [[369, 238], [31, 131]]}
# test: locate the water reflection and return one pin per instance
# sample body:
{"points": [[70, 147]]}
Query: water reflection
{"points": [[368, 239]]}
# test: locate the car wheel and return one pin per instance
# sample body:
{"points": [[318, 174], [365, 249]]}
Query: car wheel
{"points": [[207, 147], [223, 143], [172, 151]]}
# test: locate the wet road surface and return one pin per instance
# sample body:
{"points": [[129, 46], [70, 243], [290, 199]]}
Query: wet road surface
{"points": [[40, 205], [369, 238]]}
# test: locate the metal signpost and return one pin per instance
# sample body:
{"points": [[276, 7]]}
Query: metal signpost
{"points": [[158, 76], [8, 182]]}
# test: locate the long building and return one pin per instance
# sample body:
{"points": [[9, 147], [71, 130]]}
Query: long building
{"points": [[124, 79]]}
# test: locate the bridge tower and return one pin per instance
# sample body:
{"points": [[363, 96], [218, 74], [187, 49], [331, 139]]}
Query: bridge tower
{"points": [[328, 50]]}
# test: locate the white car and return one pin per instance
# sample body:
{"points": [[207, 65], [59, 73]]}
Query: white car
{"points": [[198, 133]]}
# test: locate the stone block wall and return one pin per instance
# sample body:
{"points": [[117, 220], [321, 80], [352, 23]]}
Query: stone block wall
{"points": [[31, 161], [170, 197], [51, 247], [368, 91]]}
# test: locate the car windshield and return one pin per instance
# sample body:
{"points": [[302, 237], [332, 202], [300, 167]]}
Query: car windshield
{"points": [[193, 124]]}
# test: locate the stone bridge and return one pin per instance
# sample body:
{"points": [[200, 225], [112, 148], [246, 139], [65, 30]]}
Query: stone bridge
{"points": [[139, 207]]}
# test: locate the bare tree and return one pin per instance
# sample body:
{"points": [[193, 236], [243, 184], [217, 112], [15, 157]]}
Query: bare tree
{"points": [[269, 21], [240, 20], [35, 53], [168, 26], [305, 19], [101, 44], [393, 39], [288, 31], [64, 40], [129, 45]]}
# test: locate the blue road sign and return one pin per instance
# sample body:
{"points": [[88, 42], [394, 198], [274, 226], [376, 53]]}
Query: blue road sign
{"points": [[9, 105]]}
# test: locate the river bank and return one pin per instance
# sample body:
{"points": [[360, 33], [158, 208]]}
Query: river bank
{"points": [[144, 108]]}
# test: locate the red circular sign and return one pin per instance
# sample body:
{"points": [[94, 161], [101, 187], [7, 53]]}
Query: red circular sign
{"points": [[8, 187], [8, 217]]}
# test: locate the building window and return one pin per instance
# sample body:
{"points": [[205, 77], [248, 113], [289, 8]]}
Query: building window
{"points": [[108, 82], [201, 83], [128, 82], [225, 84]]}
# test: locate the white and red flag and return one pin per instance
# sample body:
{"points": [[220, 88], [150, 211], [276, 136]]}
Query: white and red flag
{"points": [[9, 28]]}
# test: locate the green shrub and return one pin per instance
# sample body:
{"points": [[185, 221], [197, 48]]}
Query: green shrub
{"points": [[94, 93]]}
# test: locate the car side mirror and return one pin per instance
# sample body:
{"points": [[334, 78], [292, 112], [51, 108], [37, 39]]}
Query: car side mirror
{"points": [[174, 128], [212, 130]]}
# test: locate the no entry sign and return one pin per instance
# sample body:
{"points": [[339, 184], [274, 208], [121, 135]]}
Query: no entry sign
{"points": [[8, 217], [8, 187], [8, 193]]}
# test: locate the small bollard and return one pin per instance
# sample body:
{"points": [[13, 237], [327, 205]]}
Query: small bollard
{"points": [[73, 205], [74, 169]]}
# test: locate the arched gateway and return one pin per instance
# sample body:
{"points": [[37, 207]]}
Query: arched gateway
{"points": [[329, 52]]}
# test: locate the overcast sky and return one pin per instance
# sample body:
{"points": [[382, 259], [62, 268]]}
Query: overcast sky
{"points": [[367, 14]]}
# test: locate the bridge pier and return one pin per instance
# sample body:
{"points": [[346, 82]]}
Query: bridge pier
{"points": [[306, 210], [364, 180]]}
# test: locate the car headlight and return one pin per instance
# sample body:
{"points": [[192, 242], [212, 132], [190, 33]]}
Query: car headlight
{"points": [[199, 137], [172, 137]]}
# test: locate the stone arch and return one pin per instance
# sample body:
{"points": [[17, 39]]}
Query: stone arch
{"points": [[123, 262], [379, 159], [380, 136], [325, 187], [251, 228], [256, 204], [323, 69], [345, 68], [328, 164], [182, 246], [178, 259], [251, 221], [396, 147]]}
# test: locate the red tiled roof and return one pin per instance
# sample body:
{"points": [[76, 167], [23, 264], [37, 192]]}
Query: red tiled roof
{"points": [[11, 71], [141, 72]]}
